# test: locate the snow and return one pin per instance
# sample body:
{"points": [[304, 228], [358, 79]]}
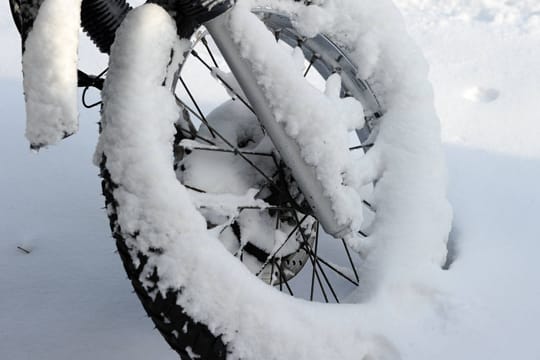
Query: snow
{"points": [[479, 94], [324, 147], [230, 301], [69, 295], [465, 52], [520, 14], [50, 73], [406, 239]]}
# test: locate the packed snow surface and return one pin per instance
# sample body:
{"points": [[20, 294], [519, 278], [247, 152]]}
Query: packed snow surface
{"points": [[522, 14], [50, 73], [475, 56], [70, 297]]}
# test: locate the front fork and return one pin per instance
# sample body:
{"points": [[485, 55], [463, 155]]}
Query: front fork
{"points": [[287, 147]]}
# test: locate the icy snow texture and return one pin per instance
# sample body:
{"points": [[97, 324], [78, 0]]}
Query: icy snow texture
{"points": [[524, 14], [50, 72], [407, 245]]}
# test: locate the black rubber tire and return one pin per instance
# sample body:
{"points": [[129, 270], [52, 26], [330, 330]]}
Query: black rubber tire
{"points": [[190, 339]]}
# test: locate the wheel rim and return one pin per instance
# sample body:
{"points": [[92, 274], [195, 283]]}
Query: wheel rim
{"points": [[276, 262]]}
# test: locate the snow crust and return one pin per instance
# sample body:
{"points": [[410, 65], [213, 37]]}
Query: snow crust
{"points": [[50, 73], [407, 244]]}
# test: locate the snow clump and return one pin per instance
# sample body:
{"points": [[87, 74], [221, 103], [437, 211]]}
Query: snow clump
{"points": [[50, 73]]}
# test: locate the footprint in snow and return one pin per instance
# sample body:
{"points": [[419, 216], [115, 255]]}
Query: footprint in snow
{"points": [[481, 95]]}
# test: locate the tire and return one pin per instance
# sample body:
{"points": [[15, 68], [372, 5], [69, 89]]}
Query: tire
{"points": [[183, 291]]}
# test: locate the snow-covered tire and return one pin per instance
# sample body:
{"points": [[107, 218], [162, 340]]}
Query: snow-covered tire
{"points": [[204, 302], [182, 333]]}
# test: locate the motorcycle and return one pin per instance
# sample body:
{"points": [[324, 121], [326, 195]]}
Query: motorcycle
{"points": [[257, 158]]}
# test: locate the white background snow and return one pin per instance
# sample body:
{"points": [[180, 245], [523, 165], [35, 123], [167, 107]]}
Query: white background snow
{"points": [[69, 297]]}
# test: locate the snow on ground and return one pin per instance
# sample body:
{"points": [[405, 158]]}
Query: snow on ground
{"points": [[69, 298], [484, 69], [484, 64]]}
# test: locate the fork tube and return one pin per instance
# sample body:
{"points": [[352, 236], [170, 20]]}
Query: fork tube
{"points": [[289, 150]]}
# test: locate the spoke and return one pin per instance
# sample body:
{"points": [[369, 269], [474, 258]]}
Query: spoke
{"points": [[229, 87], [188, 133], [186, 117], [241, 154], [366, 146], [215, 133], [314, 267], [314, 58], [277, 34], [326, 280], [282, 245], [315, 260], [368, 204], [234, 149], [270, 181], [194, 189], [188, 108], [205, 43], [272, 274], [230, 151], [351, 261], [202, 117], [330, 266], [240, 209], [277, 208], [185, 106], [272, 268], [311, 62], [313, 272], [283, 279]]}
